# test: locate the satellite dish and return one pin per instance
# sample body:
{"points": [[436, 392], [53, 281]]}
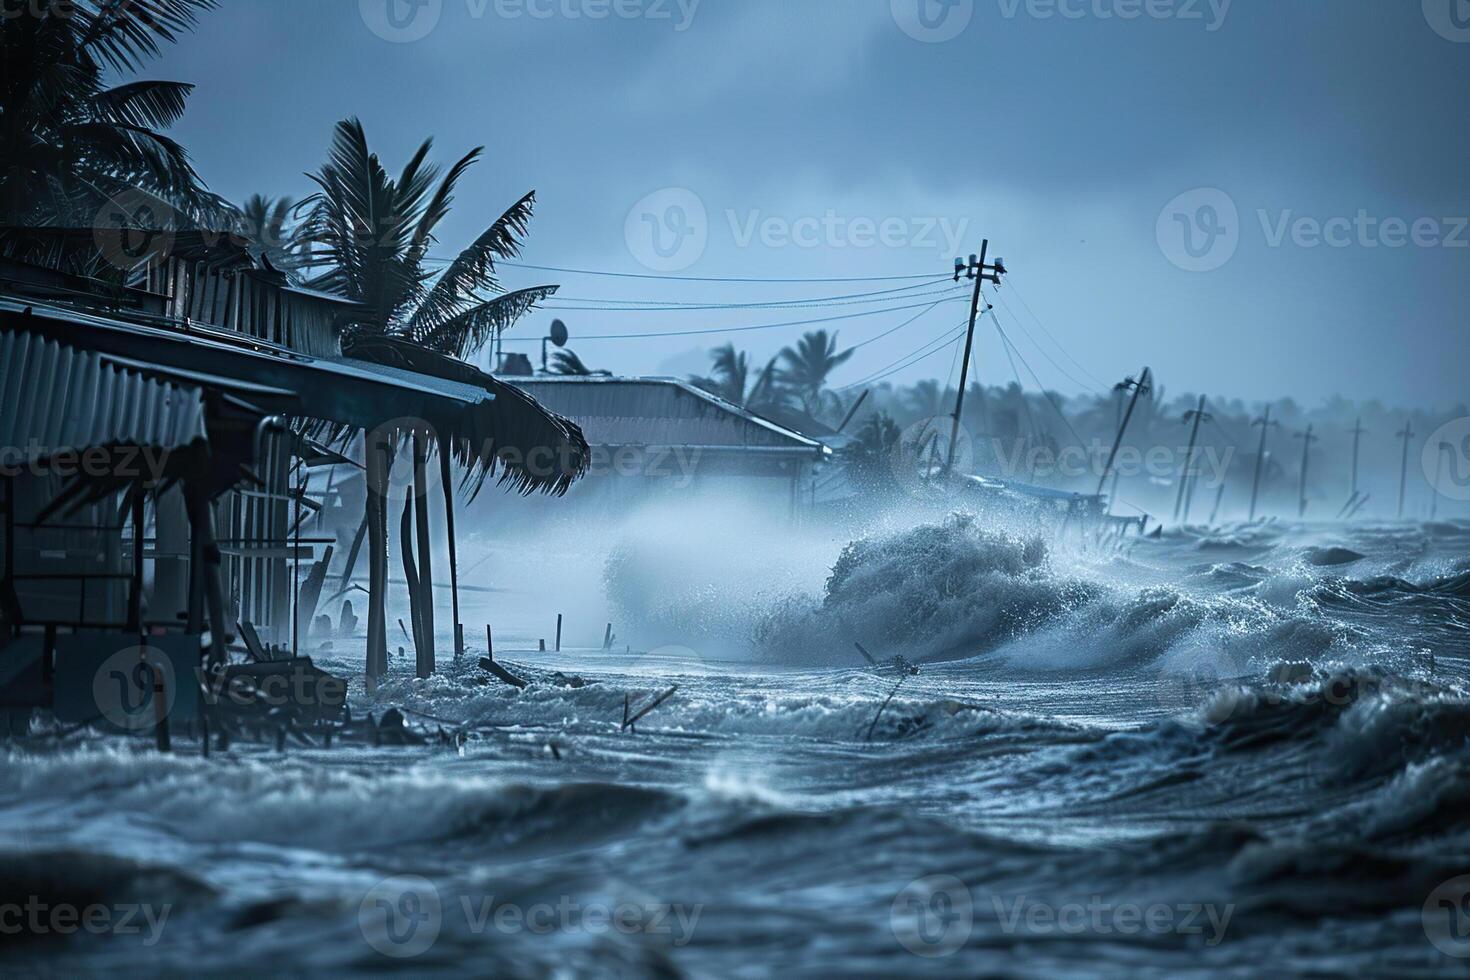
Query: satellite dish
{"points": [[559, 333]]}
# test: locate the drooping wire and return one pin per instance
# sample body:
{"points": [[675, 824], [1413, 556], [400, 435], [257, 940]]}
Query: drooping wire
{"points": [[1041, 387], [911, 358], [1085, 386], [1103, 385], [848, 299], [748, 328], [669, 278]]}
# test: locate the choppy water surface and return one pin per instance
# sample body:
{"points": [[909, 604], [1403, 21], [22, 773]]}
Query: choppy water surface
{"points": [[1238, 752]]}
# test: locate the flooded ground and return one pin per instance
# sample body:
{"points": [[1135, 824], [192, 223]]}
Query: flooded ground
{"points": [[1227, 753]]}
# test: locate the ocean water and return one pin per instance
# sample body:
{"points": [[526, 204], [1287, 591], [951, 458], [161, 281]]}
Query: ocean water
{"points": [[1238, 752]]}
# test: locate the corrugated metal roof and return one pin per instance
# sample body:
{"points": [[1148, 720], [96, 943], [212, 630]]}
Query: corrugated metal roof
{"points": [[336, 389], [658, 412], [55, 397]]}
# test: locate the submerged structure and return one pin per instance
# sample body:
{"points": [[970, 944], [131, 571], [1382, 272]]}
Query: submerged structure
{"points": [[166, 433]]}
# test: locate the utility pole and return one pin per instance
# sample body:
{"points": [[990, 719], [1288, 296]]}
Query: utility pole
{"points": [[1140, 388], [1444, 447], [1307, 439], [1358, 433], [1197, 416], [981, 273], [1406, 433], [1265, 423]]}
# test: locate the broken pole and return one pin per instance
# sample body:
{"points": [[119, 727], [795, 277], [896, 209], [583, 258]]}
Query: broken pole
{"points": [[1307, 439], [1197, 416], [1219, 496], [558, 632], [1358, 433], [607, 638], [1140, 387], [1406, 433], [160, 708], [543, 644], [629, 723], [1265, 423], [489, 642]]}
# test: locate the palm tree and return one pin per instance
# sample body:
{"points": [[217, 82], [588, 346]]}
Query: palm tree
{"points": [[69, 143], [374, 232], [868, 459], [264, 222], [807, 366], [728, 375]]}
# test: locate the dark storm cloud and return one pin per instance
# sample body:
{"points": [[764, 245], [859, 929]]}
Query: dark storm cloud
{"points": [[1060, 129]]}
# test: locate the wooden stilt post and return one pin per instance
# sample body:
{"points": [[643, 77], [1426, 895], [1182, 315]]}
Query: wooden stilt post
{"points": [[558, 632], [444, 480], [426, 554], [377, 453]]}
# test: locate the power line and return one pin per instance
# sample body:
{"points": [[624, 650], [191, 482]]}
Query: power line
{"points": [[671, 306], [912, 357], [1085, 386], [1044, 393], [666, 278], [1080, 366], [759, 326]]}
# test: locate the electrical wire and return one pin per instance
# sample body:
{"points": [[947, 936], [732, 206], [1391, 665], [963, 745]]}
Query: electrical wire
{"points": [[912, 357], [744, 329], [670, 307], [668, 278], [1042, 388], [1010, 284], [1085, 386], [874, 296]]}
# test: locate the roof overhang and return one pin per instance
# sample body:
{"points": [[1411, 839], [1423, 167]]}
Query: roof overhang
{"points": [[343, 391]]}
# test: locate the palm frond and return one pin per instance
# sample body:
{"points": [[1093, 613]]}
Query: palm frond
{"points": [[531, 449], [123, 33], [463, 334], [473, 270], [152, 104]]}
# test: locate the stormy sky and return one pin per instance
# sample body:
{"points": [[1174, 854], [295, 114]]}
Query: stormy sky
{"points": [[1257, 198]]}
